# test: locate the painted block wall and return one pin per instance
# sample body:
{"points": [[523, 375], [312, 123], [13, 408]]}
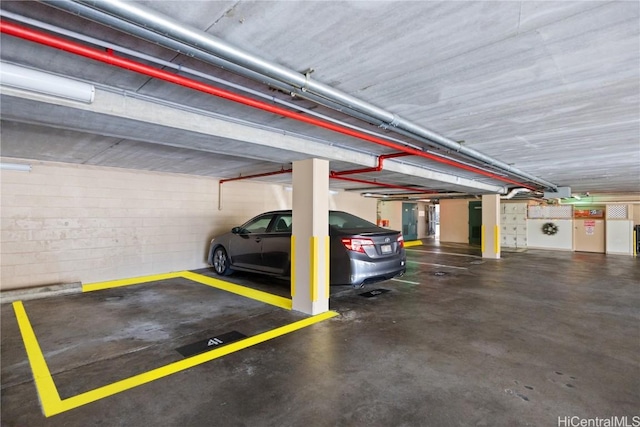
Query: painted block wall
{"points": [[562, 240], [392, 211], [63, 223], [454, 221]]}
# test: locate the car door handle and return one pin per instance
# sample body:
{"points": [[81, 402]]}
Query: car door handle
{"points": [[258, 239]]}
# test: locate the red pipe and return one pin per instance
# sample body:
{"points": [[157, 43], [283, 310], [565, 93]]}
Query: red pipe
{"points": [[378, 168], [110, 58], [258, 175], [381, 184]]}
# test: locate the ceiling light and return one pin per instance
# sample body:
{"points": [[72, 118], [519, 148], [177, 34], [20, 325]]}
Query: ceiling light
{"points": [[48, 84], [20, 167]]}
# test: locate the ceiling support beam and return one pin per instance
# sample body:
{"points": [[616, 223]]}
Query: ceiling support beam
{"points": [[167, 29], [111, 59], [135, 118]]}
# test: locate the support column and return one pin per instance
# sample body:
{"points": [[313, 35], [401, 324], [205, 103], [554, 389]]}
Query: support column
{"points": [[491, 226], [310, 238]]}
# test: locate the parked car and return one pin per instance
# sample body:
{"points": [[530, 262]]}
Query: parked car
{"points": [[360, 252]]}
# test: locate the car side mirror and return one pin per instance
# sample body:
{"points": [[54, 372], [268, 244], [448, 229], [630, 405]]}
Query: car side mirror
{"points": [[236, 230]]}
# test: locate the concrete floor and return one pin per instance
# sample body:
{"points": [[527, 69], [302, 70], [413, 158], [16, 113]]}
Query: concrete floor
{"points": [[518, 341]]}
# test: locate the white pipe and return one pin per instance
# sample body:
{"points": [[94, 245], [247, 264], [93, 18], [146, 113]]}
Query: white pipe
{"points": [[514, 192], [48, 84], [19, 167]]}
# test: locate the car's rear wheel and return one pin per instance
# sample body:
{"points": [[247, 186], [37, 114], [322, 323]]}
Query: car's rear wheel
{"points": [[221, 262]]}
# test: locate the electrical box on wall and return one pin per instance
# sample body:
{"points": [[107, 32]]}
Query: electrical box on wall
{"points": [[562, 193]]}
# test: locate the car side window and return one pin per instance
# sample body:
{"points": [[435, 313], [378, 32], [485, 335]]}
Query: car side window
{"points": [[283, 224], [258, 225]]}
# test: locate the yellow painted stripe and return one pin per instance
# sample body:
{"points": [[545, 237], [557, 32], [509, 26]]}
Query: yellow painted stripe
{"points": [[172, 368], [313, 268], [47, 391], [293, 266], [496, 239], [482, 239], [99, 286], [265, 297], [327, 270], [411, 243]]}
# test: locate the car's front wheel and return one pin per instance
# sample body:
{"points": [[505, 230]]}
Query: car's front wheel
{"points": [[221, 262]]}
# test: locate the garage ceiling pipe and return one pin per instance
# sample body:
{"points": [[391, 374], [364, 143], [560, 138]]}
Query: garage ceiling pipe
{"points": [[110, 58], [381, 184], [167, 28], [210, 58], [377, 168]]}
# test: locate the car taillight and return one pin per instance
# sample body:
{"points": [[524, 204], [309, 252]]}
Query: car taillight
{"points": [[356, 245], [401, 241]]}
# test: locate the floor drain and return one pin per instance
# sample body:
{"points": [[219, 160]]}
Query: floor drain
{"points": [[439, 273]]}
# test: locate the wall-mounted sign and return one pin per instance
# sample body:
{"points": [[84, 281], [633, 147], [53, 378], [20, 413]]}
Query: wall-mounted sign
{"points": [[588, 213], [590, 227]]}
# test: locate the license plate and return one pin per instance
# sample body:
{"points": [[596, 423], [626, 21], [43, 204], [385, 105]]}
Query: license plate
{"points": [[386, 249]]}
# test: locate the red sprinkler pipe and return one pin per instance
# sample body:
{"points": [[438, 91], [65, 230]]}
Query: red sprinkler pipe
{"points": [[381, 184], [258, 175], [110, 58], [378, 168]]}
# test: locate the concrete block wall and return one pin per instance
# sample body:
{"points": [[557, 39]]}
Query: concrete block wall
{"points": [[64, 223]]}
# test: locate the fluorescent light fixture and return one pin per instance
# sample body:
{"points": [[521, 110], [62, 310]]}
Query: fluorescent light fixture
{"points": [[20, 167], [48, 84], [575, 196]]}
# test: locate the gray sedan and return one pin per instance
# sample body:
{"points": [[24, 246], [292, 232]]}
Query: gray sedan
{"points": [[360, 252]]}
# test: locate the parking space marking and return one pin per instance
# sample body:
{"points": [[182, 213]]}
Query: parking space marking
{"points": [[45, 386], [438, 265], [444, 253], [48, 394], [99, 286], [261, 296]]}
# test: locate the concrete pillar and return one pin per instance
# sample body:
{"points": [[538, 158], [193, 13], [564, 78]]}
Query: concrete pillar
{"points": [[491, 226], [310, 238]]}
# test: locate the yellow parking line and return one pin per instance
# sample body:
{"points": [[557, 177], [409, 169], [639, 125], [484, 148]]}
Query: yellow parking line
{"points": [[48, 393], [99, 286], [239, 290]]}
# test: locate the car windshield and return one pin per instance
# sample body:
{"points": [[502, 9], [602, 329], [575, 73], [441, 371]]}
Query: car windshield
{"points": [[348, 221]]}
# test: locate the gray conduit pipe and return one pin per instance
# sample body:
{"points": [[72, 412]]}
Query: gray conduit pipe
{"points": [[178, 67], [130, 17]]}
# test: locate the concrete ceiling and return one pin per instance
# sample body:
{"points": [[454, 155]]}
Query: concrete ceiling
{"points": [[552, 88]]}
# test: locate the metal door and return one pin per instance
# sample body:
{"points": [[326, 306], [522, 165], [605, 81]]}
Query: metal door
{"points": [[410, 221], [589, 235], [432, 220], [475, 223]]}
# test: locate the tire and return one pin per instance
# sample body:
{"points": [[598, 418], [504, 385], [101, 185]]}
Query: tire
{"points": [[220, 262]]}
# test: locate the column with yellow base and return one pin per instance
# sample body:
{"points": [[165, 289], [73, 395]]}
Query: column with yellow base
{"points": [[491, 226], [310, 240]]}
